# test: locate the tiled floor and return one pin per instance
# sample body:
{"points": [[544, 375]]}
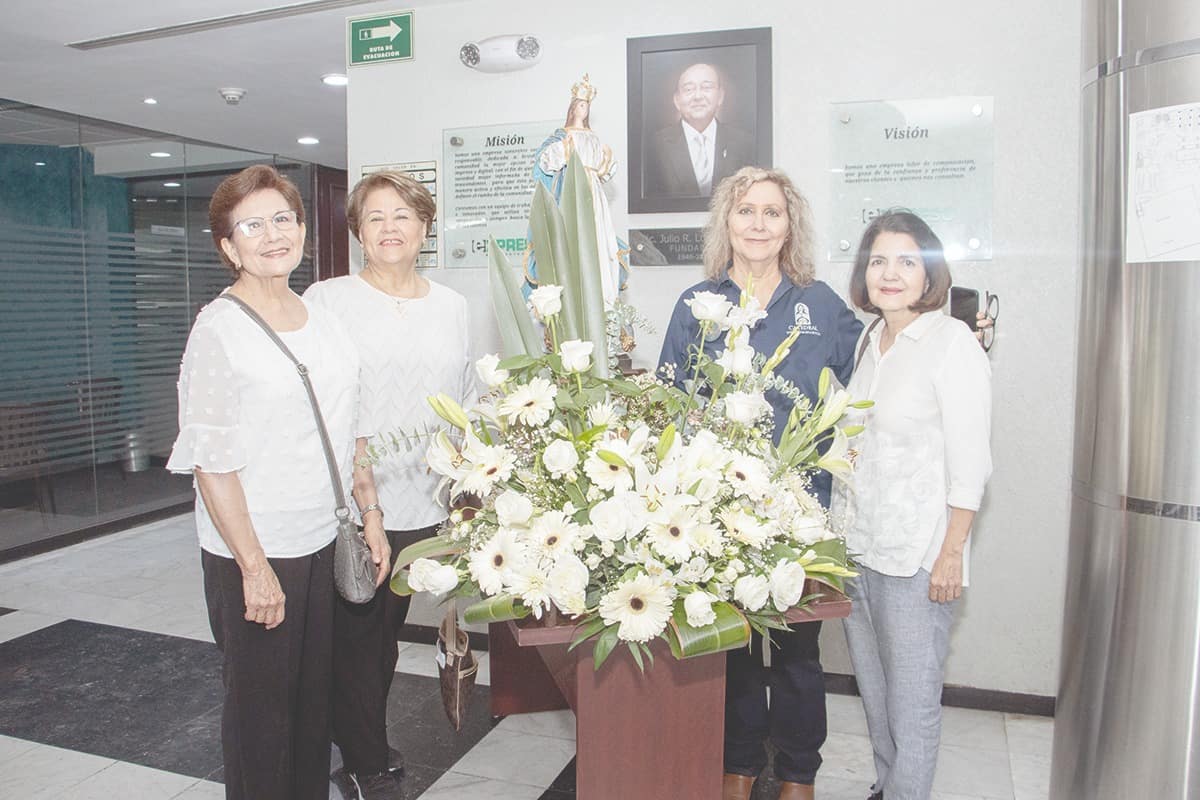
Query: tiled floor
{"points": [[109, 687]]}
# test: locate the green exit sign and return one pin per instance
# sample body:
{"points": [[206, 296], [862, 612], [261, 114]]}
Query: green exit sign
{"points": [[377, 39]]}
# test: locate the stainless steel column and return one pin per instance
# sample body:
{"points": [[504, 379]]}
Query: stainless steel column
{"points": [[1128, 718]]}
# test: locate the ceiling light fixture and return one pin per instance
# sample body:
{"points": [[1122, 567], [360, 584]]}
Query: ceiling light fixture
{"points": [[160, 154], [334, 79], [308, 140], [39, 163], [150, 101], [172, 184]]}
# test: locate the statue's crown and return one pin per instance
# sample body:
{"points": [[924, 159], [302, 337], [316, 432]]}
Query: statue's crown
{"points": [[583, 90]]}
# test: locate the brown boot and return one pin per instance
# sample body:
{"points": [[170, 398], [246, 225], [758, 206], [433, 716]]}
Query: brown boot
{"points": [[736, 787], [795, 791]]}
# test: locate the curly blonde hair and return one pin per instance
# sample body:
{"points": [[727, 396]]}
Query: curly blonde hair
{"points": [[795, 259]]}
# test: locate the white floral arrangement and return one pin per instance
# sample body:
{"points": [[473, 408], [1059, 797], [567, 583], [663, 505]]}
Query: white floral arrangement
{"points": [[632, 508]]}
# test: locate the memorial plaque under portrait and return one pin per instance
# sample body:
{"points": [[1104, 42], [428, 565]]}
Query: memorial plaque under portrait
{"points": [[933, 157], [488, 182], [665, 247]]}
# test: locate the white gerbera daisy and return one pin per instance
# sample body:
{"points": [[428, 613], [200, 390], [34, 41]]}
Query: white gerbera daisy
{"points": [[530, 403], [604, 413], [491, 564], [553, 533], [487, 464], [606, 474], [529, 583], [670, 528], [641, 606], [744, 527], [749, 476]]}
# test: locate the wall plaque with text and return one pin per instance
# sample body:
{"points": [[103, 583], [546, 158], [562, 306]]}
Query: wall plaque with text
{"points": [[487, 175], [664, 247], [932, 157]]}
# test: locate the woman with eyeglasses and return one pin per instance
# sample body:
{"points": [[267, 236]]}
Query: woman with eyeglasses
{"points": [[413, 337], [919, 477], [265, 503]]}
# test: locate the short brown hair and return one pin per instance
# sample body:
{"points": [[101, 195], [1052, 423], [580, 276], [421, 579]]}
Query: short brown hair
{"points": [[937, 273], [236, 188], [795, 259], [409, 188]]}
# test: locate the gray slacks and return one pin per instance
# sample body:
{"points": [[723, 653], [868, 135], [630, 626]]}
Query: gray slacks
{"points": [[898, 640]]}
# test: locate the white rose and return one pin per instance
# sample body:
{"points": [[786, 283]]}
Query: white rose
{"points": [[546, 300], [698, 606], [745, 407], [751, 592], [611, 518], [787, 584], [489, 372], [567, 584], [513, 509], [737, 360], [709, 307], [427, 575], [576, 355], [560, 457]]}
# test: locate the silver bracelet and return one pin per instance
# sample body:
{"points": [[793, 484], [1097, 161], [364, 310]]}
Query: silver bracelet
{"points": [[372, 507]]}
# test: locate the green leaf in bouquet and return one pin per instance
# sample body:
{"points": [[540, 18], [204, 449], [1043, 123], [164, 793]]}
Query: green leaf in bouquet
{"points": [[564, 400], [836, 581], [575, 494], [499, 608], [591, 434], [649, 654], [587, 630], [399, 583], [433, 547], [609, 457], [834, 549], [863, 404], [552, 252], [782, 552], [516, 327], [665, 440], [605, 643], [730, 630], [635, 649], [579, 219], [853, 430], [624, 387], [519, 361]]}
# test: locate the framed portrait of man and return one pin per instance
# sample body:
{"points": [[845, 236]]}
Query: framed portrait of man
{"points": [[699, 110]]}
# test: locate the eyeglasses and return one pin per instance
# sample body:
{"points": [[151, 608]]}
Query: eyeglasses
{"points": [[991, 310], [252, 227]]}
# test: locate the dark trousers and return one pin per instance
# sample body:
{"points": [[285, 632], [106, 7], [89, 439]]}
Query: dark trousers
{"points": [[364, 663], [275, 725], [794, 721]]}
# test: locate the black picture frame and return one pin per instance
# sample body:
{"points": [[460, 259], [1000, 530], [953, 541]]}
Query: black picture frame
{"points": [[658, 180]]}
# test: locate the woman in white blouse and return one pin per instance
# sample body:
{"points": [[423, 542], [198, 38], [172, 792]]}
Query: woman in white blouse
{"points": [[919, 477], [264, 503], [413, 339]]}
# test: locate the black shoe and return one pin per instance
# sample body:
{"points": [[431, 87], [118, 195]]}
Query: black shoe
{"points": [[876, 795], [395, 764], [380, 786]]}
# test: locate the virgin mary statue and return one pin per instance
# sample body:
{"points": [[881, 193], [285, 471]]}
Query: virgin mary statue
{"points": [[576, 136]]}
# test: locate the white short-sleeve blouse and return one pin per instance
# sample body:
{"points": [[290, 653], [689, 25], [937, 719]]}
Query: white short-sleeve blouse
{"points": [[925, 447], [244, 409], [411, 349]]}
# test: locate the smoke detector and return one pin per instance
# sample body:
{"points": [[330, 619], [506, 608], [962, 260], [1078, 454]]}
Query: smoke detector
{"points": [[232, 95]]}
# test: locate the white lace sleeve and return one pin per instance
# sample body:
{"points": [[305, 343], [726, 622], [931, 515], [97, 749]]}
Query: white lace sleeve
{"points": [[209, 437]]}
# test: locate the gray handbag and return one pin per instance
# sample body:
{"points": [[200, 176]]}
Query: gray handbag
{"points": [[353, 568]]}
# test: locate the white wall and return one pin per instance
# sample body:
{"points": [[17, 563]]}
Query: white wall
{"points": [[1025, 53]]}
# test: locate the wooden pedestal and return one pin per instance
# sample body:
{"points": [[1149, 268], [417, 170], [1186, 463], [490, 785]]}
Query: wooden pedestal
{"points": [[639, 736]]}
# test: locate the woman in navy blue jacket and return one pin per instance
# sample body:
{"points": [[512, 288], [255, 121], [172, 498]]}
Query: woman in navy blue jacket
{"points": [[759, 235]]}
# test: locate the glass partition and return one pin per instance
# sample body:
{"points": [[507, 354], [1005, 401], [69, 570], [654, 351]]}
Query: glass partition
{"points": [[105, 259]]}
